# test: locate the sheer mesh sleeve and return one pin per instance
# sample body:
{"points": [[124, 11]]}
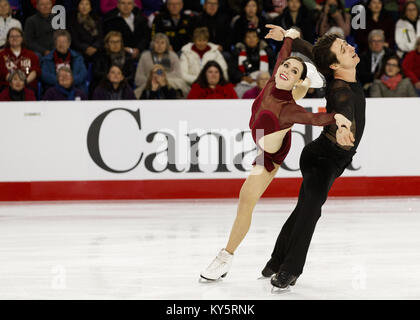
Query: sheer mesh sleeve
{"points": [[298, 114], [342, 101], [285, 51]]}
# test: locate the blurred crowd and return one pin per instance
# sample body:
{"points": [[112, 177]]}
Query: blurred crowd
{"points": [[191, 49]]}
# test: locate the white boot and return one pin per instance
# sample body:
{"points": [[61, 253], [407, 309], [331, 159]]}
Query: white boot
{"points": [[219, 267]]}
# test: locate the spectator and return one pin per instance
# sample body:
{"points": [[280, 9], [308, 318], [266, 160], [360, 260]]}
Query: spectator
{"points": [[391, 82], [62, 55], [252, 56], [197, 53], [296, 15], [371, 61], [17, 91], [72, 6], [376, 18], [16, 57], [109, 5], [407, 29], [6, 21], [65, 88], [174, 23], [274, 8], [114, 86], [237, 6], [157, 86], [113, 53], [262, 79], [217, 22], [86, 30], [38, 29], [211, 84], [333, 15], [250, 19], [411, 66], [160, 54], [128, 20]]}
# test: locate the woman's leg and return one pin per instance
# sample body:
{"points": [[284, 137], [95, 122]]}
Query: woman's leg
{"points": [[251, 191]]}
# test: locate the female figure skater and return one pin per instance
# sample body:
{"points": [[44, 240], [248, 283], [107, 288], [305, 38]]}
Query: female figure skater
{"points": [[274, 112]]}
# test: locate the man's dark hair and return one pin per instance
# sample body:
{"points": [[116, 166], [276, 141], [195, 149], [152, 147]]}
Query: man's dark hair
{"points": [[323, 56], [202, 77]]}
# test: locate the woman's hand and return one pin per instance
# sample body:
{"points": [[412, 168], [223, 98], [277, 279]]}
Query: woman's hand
{"points": [[344, 136], [342, 121], [292, 33], [275, 33]]}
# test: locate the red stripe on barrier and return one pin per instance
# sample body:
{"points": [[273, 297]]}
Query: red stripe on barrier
{"points": [[196, 189]]}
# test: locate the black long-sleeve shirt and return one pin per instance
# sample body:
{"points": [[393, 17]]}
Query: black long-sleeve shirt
{"points": [[348, 99]]}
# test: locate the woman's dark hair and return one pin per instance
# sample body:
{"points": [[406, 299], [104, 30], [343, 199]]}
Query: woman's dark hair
{"points": [[403, 15], [202, 77], [369, 12], [385, 61], [304, 70], [7, 45], [245, 2], [323, 56], [105, 83]]}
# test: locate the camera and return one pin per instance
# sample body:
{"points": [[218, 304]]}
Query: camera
{"points": [[333, 8]]}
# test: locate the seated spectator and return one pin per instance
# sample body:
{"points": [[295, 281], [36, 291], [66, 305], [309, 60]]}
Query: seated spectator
{"points": [[16, 57], [6, 21], [113, 53], [376, 18], [17, 91], [371, 61], [411, 66], [159, 53], [211, 84], [296, 15], [216, 22], [250, 18], [407, 29], [262, 79], [128, 20], [333, 15], [173, 22], [252, 56], [109, 5], [114, 86], [274, 8], [391, 82], [196, 54], [65, 88], [39, 31], [157, 86], [72, 6], [86, 30], [62, 55]]}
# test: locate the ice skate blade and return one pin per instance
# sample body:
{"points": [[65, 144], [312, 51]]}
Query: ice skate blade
{"points": [[277, 290], [263, 278], [206, 280]]}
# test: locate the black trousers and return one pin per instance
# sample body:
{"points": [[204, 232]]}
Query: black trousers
{"points": [[321, 163]]}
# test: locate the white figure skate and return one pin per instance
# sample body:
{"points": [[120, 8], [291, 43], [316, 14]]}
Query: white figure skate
{"points": [[219, 267]]}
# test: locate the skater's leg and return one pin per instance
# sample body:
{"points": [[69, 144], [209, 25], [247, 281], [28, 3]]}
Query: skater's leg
{"points": [[317, 183], [251, 191], [279, 252]]}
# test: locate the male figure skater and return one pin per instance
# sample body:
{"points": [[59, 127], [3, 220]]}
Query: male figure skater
{"points": [[322, 161]]}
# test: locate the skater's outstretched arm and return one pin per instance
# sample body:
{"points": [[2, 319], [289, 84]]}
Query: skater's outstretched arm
{"points": [[278, 33]]}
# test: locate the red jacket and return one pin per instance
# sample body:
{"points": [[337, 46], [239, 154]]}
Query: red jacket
{"points": [[27, 61], [29, 95], [411, 66], [220, 92]]}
